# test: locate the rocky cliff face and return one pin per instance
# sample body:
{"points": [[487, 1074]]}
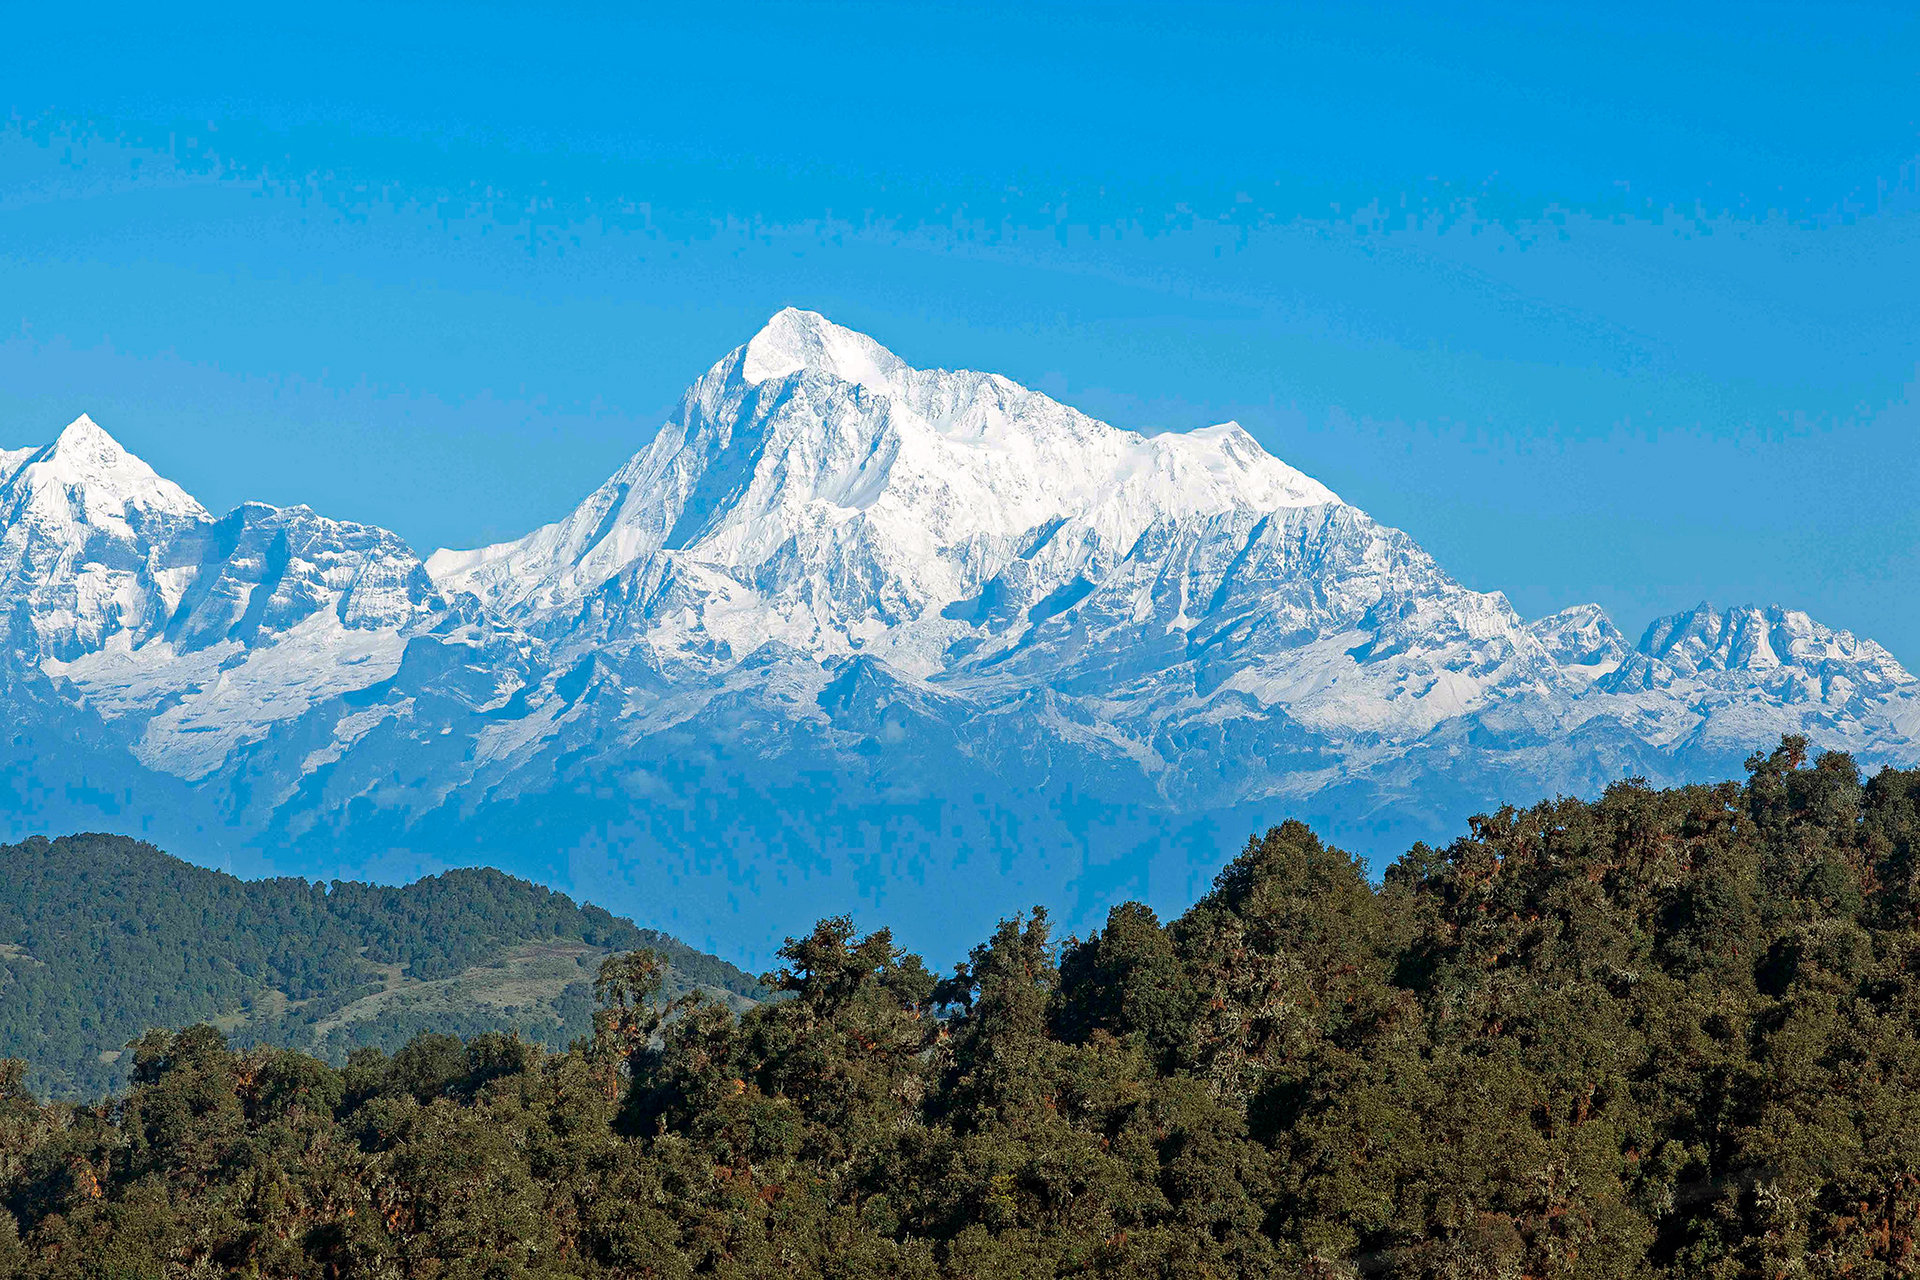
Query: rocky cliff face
{"points": [[845, 633]]}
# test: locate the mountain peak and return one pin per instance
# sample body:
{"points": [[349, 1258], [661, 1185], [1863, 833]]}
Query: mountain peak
{"points": [[1760, 641], [1582, 636], [84, 436], [794, 341], [96, 477], [896, 503]]}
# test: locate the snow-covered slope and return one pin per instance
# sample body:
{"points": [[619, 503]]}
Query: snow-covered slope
{"points": [[1725, 681], [131, 597], [846, 631], [855, 498], [83, 524], [815, 491]]}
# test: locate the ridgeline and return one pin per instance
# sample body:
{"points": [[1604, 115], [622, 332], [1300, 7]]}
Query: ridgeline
{"points": [[103, 938], [1664, 1033]]}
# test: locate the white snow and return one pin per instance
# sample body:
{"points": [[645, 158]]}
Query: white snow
{"points": [[1040, 585], [796, 340], [816, 490], [856, 494], [139, 606], [84, 476]]}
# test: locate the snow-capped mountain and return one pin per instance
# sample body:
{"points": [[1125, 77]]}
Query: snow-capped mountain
{"points": [[844, 632], [142, 607], [80, 553], [815, 489], [1719, 679]]}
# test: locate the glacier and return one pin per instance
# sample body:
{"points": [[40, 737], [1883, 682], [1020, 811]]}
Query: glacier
{"points": [[846, 635]]}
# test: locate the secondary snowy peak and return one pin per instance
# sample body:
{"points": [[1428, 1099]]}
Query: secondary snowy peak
{"points": [[1779, 649], [82, 522], [818, 468], [1583, 639], [85, 477], [123, 589], [98, 544]]}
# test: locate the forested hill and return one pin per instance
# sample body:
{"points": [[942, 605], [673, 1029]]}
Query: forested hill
{"points": [[1663, 1033], [103, 938]]}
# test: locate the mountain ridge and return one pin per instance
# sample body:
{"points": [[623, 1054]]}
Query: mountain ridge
{"points": [[103, 938], [845, 630]]}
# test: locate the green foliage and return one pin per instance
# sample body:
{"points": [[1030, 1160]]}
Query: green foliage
{"points": [[1664, 1033], [102, 937]]}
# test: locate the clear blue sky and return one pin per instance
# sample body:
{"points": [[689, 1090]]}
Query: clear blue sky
{"points": [[1601, 302]]}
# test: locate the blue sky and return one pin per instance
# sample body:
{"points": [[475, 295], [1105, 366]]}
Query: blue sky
{"points": [[1620, 306]]}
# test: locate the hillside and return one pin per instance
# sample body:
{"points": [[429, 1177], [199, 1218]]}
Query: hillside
{"points": [[1663, 1033], [103, 938]]}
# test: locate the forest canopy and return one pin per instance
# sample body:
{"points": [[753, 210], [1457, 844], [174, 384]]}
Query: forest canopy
{"points": [[103, 937], [1665, 1032]]}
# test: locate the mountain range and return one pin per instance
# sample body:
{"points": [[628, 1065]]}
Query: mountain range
{"points": [[845, 635]]}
